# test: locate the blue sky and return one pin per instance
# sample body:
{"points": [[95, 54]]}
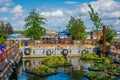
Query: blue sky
{"points": [[58, 12]]}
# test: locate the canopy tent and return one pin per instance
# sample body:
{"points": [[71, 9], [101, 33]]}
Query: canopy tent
{"points": [[64, 33]]}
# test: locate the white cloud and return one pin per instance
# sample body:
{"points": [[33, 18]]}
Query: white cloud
{"points": [[4, 9], [117, 22], [84, 8], [71, 2], [115, 14], [6, 2], [17, 10], [101, 6], [1, 1], [107, 9], [4, 19], [57, 13], [54, 23], [19, 24]]}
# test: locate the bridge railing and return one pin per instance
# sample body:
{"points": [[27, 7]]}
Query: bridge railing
{"points": [[8, 54]]}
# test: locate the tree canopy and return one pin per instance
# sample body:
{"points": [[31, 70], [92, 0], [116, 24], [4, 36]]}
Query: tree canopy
{"points": [[76, 28], [3, 30], [33, 25], [95, 19]]}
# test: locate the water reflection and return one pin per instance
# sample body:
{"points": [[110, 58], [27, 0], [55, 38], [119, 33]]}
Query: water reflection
{"points": [[76, 73]]}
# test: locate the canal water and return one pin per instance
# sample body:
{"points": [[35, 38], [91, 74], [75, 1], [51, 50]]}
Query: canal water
{"points": [[76, 73]]}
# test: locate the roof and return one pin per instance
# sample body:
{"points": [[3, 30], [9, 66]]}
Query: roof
{"points": [[19, 39], [15, 35], [51, 32]]}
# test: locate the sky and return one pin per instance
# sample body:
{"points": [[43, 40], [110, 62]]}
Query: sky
{"points": [[58, 12]]}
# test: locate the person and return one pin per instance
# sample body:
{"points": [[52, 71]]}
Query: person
{"points": [[1, 56], [2, 47]]}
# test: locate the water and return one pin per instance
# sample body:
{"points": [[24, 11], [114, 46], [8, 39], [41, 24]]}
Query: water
{"points": [[76, 74]]}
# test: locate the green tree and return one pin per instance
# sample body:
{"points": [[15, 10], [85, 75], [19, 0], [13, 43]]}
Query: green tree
{"points": [[3, 30], [77, 29], [33, 25], [110, 34], [95, 19]]}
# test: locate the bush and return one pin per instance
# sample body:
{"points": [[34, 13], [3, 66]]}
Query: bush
{"points": [[43, 70], [90, 56], [55, 61]]}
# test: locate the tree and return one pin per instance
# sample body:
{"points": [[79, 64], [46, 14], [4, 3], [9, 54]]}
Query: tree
{"points": [[95, 19], [33, 25], [76, 28], [3, 30], [110, 34]]}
